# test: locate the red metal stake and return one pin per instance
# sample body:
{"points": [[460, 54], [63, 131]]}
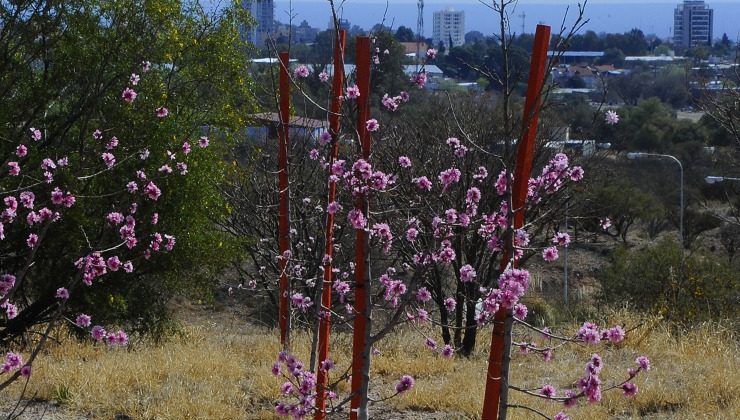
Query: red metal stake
{"points": [[283, 196], [524, 158], [337, 92], [360, 355]]}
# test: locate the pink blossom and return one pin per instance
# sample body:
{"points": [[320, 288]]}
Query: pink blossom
{"points": [[643, 362], [422, 183], [404, 96], [113, 263], [186, 148], [324, 138], [161, 112], [615, 334], [114, 218], [630, 389], [32, 240], [357, 219], [550, 254], [129, 95], [112, 143], [21, 150], [98, 333], [313, 154], [134, 79], [300, 301], [561, 239], [611, 117], [11, 311], [576, 173], [323, 76], [301, 71], [390, 103], [467, 273], [145, 66], [448, 177], [605, 223], [548, 391], [420, 79], [14, 168], [132, 187], [203, 142], [411, 234], [423, 295], [128, 267], [430, 343], [431, 53], [501, 182], [97, 134], [447, 351], [333, 207], [450, 304], [152, 191], [473, 195], [182, 167], [405, 384], [561, 416], [353, 92], [520, 311], [108, 159], [35, 134], [26, 371], [372, 125], [404, 162], [62, 293], [27, 199]]}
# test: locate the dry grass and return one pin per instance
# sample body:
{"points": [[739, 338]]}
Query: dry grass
{"points": [[219, 368]]}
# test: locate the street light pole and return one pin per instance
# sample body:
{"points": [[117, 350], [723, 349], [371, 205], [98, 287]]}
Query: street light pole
{"points": [[642, 155]]}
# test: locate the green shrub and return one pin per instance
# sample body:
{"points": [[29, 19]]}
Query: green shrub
{"points": [[661, 279]]}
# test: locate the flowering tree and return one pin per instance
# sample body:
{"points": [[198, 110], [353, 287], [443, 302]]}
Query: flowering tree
{"points": [[103, 161], [439, 217]]}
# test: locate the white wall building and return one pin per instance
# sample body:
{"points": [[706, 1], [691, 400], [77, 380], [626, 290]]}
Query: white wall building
{"points": [[448, 26], [263, 12], [692, 24]]}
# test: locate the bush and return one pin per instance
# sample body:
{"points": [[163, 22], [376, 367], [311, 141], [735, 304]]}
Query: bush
{"points": [[682, 287]]}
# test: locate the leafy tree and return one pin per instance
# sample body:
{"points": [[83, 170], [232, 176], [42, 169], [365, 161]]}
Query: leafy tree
{"points": [[404, 34], [65, 65]]}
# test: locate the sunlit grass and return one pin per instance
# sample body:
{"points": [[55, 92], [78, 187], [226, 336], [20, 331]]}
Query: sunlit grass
{"points": [[220, 368]]}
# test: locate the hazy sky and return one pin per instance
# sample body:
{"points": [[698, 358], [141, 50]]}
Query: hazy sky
{"points": [[652, 16]]}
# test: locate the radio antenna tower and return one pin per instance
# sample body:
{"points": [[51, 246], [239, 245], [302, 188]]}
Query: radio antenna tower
{"points": [[419, 30]]}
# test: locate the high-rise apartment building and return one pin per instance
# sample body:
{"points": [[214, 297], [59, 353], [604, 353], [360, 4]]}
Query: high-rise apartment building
{"points": [[263, 12], [449, 28], [692, 24]]}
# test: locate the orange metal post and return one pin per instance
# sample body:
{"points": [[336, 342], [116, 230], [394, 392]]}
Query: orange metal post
{"points": [[525, 155], [360, 335], [283, 197], [337, 91]]}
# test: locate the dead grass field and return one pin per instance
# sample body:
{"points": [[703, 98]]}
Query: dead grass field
{"points": [[219, 368]]}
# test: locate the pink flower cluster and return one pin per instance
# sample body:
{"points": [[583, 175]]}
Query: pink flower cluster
{"points": [[299, 386]]}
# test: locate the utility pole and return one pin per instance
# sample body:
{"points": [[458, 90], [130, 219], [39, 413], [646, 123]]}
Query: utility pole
{"points": [[523, 15], [419, 30]]}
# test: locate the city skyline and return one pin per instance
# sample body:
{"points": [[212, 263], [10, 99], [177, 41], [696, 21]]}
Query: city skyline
{"points": [[652, 17]]}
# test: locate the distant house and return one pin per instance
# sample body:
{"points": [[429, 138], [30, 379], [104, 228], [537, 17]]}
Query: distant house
{"points": [[299, 128], [576, 56], [410, 49]]}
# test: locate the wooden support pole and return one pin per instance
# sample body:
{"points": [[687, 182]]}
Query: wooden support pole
{"points": [[496, 388], [283, 198], [361, 333], [337, 92]]}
